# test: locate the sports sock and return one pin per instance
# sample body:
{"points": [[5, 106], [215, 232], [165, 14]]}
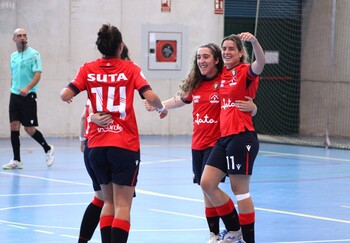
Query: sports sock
{"points": [[213, 220], [120, 231], [90, 220], [16, 143], [106, 228], [247, 225], [229, 216], [38, 136]]}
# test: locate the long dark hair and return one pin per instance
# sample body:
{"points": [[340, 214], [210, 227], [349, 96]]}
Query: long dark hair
{"points": [[109, 39], [195, 77]]}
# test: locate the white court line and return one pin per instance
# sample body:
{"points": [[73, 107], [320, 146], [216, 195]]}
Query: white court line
{"points": [[46, 194], [314, 241], [164, 161], [47, 179], [189, 199], [43, 205], [304, 156], [303, 215], [45, 232], [174, 213]]}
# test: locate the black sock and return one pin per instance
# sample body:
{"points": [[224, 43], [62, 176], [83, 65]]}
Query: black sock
{"points": [[213, 220], [16, 143], [106, 234], [89, 222], [248, 233], [119, 235], [38, 136], [106, 228], [213, 223], [229, 216], [120, 230], [231, 221]]}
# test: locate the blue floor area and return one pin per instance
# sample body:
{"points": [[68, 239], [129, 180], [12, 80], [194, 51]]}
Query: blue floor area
{"points": [[301, 194]]}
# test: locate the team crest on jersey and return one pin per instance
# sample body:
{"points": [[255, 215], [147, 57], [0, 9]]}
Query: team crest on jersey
{"points": [[234, 78], [214, 98], [216, 86]]}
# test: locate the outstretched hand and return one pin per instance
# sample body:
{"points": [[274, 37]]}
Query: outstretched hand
{"points": [[246, 36], [164, 113], [149, 107]]}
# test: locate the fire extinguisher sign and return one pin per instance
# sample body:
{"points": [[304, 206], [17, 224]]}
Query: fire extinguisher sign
{"points": [[165, 5]]}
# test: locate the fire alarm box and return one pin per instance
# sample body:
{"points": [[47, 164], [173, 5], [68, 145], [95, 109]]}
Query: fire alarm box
{"points": [[164, 50], [219, 6]]}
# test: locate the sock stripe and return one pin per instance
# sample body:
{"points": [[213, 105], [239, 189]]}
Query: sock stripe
{"points": [[106, 221], [97, 202], [121, 224], [247, 218], [226, 209], [211, 212]]}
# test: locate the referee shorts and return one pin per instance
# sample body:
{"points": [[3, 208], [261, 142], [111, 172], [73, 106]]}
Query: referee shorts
{"points": [[24, 109]]}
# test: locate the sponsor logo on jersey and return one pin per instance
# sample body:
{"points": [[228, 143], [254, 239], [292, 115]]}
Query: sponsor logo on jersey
{"points": [[196, 98], [205, 120], [113, 77], [214, 98], [113, 128], [227, 104]]}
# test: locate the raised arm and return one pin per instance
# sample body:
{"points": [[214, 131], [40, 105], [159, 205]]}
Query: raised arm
{"points": [[260, 61]]}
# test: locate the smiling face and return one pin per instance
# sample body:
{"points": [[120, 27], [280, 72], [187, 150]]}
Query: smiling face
{"points": [[206, 62], [231, 54]]}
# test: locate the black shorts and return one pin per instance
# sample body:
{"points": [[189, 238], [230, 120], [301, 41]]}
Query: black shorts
{"points": [[199, 160], [114, 164], [235, 154], [89, 169], [24, 109]]}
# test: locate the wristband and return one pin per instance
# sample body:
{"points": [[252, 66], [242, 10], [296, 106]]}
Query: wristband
{"points": [[161, 109], [82, 139]]}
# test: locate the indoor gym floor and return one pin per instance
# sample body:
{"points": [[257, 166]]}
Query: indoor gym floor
{"points": [[301, 194]]}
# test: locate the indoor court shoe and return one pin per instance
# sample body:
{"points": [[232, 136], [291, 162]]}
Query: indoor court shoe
{"points": [[13, 164], [50, 156], [214, 238], [232, 237]]}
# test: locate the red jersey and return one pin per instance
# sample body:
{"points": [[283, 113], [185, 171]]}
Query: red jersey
{"points": [[235, 84], [110, 85], [206, 114]]}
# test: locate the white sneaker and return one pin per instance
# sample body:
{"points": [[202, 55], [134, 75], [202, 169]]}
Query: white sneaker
{"points": [[233, 236], [13, 164], [214, 238], [50, 156]]}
